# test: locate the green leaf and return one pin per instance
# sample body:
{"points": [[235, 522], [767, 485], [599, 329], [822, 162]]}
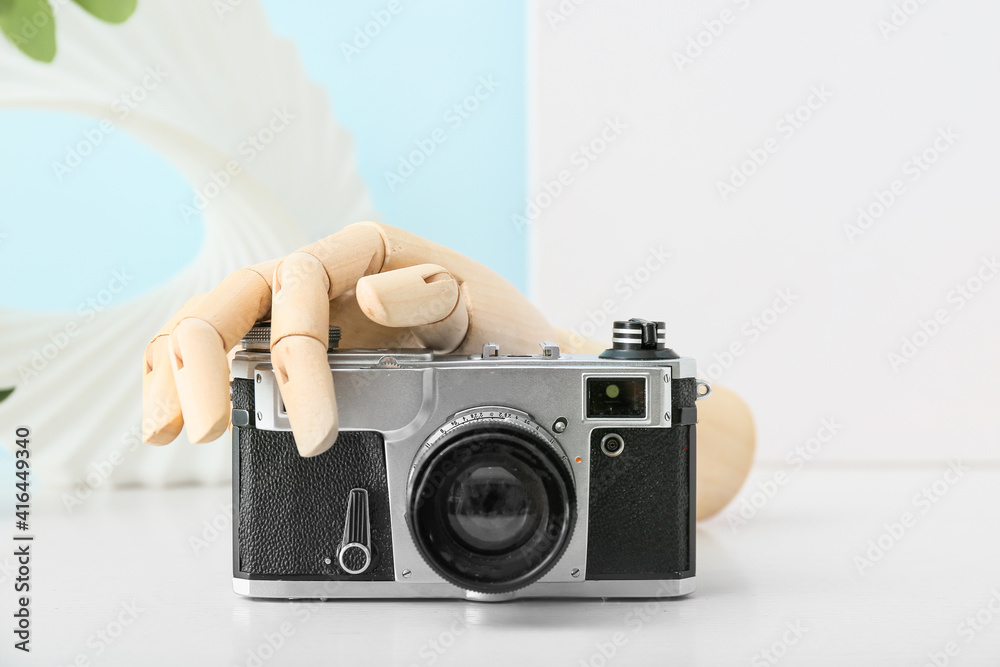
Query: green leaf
{"points": [[112, 11], [30, 26], [4, 393]]}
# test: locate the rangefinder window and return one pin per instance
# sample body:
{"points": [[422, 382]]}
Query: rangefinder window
{"points": [[616, 398]]}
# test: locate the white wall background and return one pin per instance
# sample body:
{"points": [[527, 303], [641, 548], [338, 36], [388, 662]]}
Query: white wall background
{"points": [[687, 127]]}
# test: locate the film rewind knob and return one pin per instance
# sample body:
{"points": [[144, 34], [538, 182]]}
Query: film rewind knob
{"points": [[355, 551], [638, 339], [636, 334]]}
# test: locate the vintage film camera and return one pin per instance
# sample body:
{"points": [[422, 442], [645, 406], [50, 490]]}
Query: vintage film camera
{"points": [[487, 476]]}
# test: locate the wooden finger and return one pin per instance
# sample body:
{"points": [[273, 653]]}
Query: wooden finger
{"points": [[359, 331], [449, 334], [424, 298], [347, 256], [199, 343], [408, 297], [299, 336], [202, 378], [241, 299], [161, 409], [498, 312]]}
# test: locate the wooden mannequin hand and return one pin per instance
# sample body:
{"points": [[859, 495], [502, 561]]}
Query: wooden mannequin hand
{"points": [[383, 287]]}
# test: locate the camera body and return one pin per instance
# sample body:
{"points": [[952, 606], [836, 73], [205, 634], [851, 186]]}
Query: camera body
{"points": [[485, 476]]}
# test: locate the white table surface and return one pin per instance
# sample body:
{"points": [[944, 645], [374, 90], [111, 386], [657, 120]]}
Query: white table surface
{"points": [[792, 563]]}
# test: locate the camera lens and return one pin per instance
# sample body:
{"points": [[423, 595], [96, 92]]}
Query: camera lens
{"points": [[492, 508]]}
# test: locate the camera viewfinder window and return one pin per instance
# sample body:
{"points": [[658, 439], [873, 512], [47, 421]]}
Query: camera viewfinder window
{"points": [[616, 398]]}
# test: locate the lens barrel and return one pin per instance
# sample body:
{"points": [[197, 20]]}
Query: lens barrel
{"points": [[492, 507]]}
